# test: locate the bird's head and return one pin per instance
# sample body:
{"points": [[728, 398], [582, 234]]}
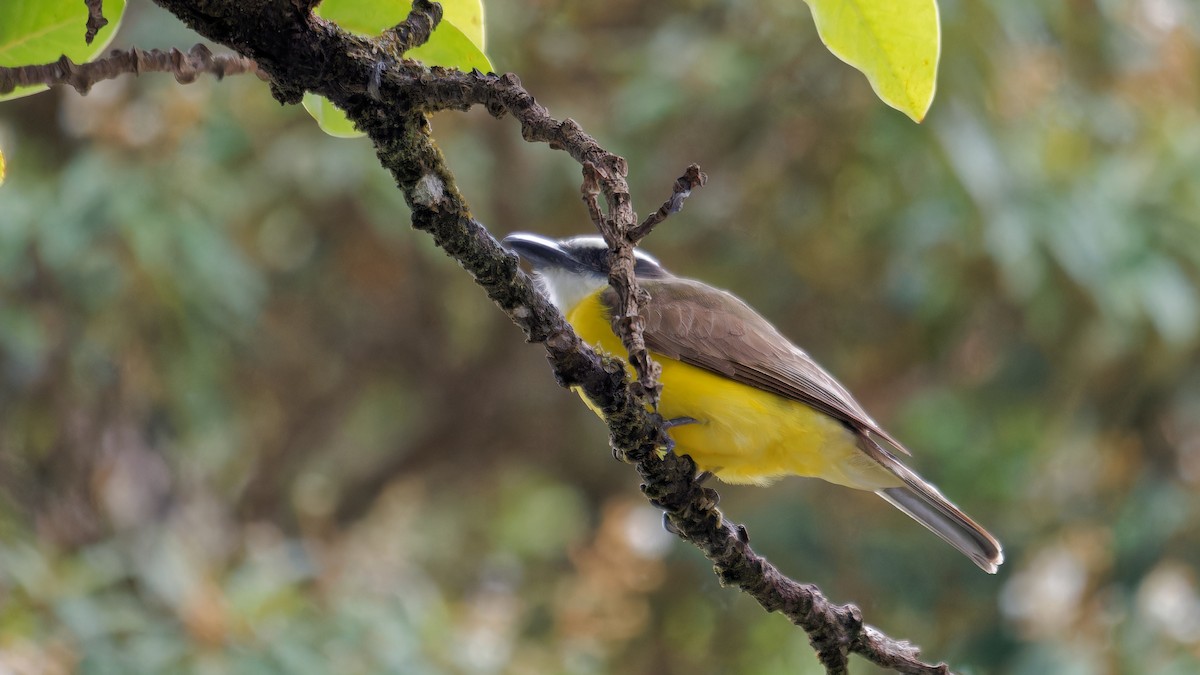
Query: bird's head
{"points": [[571, 269]]}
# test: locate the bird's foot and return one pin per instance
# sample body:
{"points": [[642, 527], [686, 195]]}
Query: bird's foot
{"points": [[670, 527], [678, 422], [668, 446]]}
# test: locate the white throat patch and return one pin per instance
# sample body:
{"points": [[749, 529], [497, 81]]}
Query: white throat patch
{"points": [[567, 289]]}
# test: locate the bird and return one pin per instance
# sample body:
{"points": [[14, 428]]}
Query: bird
{"points": [[744, 402]]}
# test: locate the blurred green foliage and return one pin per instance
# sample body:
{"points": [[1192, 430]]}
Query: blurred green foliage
{"points": [[250, 422]]}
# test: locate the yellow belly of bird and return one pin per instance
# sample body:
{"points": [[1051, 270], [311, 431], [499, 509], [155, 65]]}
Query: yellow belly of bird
{"points": [[743, 434]]}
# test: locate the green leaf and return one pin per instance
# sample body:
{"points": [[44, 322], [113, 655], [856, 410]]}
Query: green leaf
{"points": [[457, 42], [375, 16], [895, 43], [331, 120], [467, 17], [451, 49], [34, 32]]}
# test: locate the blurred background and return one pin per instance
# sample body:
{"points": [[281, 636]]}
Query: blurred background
{"points": [[250, 422]]}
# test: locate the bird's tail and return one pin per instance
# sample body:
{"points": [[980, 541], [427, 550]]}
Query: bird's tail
{"points": [[927, 506]]}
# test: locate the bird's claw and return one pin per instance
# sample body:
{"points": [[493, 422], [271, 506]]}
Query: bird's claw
{"points": [[678, 422], [669, 526], [668, 445]]}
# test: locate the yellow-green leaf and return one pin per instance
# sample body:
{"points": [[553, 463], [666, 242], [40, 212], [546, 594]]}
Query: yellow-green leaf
{"points": [[331, 120], [371, 17], [2, 169], [895, 43], [34, 32], [451, 49], [456, 43]]}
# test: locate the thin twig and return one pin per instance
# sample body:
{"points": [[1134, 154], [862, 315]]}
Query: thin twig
{"points": [[691, 179], [616, 227], [590, 191], [96, 19], [186, 67], [627, 315], [415, 30]]}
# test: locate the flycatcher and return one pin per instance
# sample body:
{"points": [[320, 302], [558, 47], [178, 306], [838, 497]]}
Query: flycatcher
{"points": [[756, 406]]}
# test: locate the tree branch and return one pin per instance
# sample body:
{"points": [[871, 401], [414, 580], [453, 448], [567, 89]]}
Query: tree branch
{"points": [[299, 52], [691, 179], [415, 30], [628, 319], [186, 68], [96, 19]]}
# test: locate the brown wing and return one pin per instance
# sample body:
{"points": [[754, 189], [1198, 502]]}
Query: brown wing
{"points": [[711, 329]]}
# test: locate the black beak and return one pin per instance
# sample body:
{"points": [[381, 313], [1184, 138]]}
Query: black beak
{"points": [[540, 252]]}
